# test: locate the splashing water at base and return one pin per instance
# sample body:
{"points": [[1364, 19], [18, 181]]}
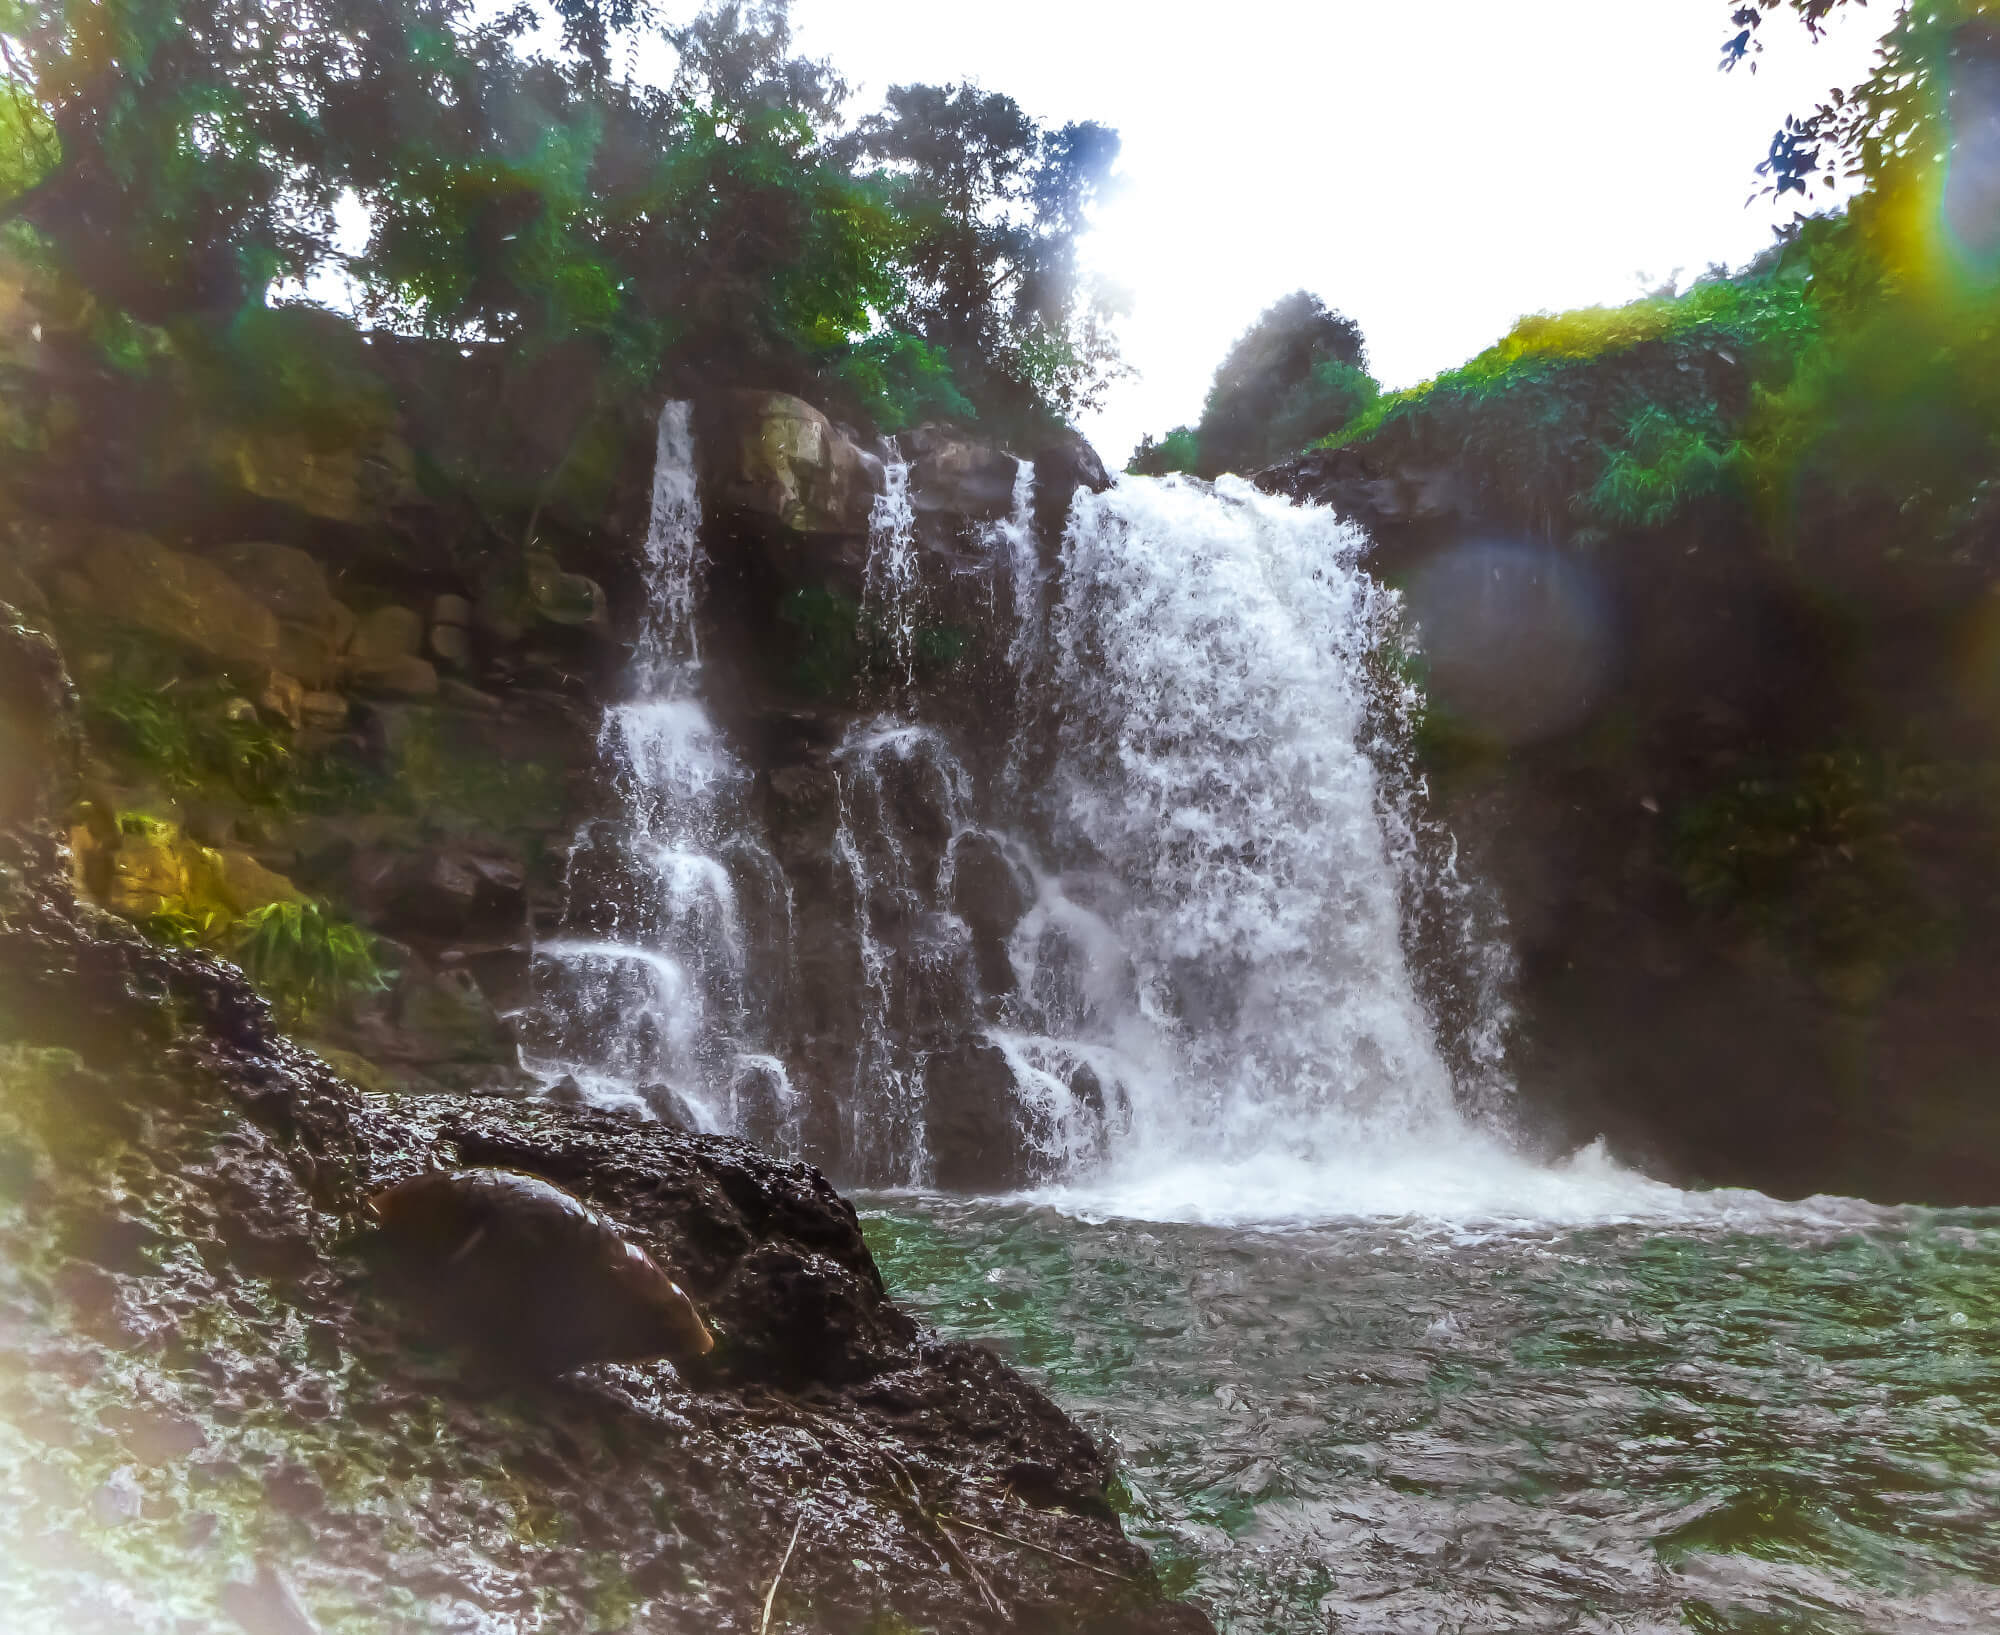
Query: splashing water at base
{"points": [[1224, 926]]}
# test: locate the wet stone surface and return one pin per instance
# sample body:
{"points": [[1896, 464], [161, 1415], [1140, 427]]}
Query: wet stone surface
{"points": [[211, 1419]]}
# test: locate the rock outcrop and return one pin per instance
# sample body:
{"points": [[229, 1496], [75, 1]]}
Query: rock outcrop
{"points": [[777, 457], [1731, 797], [214, 1413]]}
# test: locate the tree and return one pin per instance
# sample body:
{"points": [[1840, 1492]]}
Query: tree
{"points": [[1938, 71], [997, 204], [179, 158], [1298, 373]]}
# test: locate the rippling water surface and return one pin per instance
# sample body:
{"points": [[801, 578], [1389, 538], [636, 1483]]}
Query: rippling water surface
{"points": [[1750, 1418]]}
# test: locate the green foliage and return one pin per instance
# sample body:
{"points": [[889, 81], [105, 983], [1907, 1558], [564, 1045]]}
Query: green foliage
{"points": [[1296, 374], [1767, 316], [190, 733], [996, 205], [902, 380], [305, 961], [1817, 854], [181, 158], [1178, 451], [183, 924], [1665, 464]]}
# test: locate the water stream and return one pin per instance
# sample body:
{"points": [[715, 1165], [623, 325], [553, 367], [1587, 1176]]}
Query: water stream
{"points": [[655, 993], [1367, 1367]]}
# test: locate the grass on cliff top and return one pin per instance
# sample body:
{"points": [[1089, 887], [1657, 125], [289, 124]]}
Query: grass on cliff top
{"points": [[1764, 311]]}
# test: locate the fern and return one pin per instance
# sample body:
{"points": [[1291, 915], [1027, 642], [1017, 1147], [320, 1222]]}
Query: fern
{"points": [[304, 960]]}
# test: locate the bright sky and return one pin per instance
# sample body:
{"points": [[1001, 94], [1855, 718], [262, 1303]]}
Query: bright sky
{"points": [[1434, 168]]}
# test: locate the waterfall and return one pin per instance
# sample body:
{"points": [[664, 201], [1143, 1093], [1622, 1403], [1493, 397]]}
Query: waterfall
{"points": [[651, 996], [889, 583], [1214, 973], [1138, 901]]}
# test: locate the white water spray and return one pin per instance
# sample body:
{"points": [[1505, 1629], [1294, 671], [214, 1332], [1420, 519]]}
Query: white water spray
{"points": [[649, 995], [1222, 942]]}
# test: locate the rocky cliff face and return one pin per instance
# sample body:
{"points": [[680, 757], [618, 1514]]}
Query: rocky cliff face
{"points": [[320, 676], [212, 1417], [1735, 796]]}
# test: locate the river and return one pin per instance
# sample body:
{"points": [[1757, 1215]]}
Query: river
{"points": [[1718, 1413]]}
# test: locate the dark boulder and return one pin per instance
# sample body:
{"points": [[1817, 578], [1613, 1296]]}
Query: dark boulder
{"points": [[958, 476], [970, 1120], [1064, 466]]}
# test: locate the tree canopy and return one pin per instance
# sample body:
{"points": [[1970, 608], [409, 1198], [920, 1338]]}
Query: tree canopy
{"points": [[519, 182], [1297, 374]]}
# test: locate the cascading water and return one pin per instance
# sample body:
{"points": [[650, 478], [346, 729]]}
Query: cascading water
{"points": [[1218, 945], [677, 913]]}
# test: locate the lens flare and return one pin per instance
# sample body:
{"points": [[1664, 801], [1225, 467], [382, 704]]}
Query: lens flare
{"points": [[1518, 638]]}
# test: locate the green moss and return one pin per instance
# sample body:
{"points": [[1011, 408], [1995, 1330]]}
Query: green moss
{"points": [[1817, 854], [827, 642]]}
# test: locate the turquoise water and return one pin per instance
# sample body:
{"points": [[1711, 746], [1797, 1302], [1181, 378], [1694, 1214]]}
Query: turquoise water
{"points": [[1791, 1426]]}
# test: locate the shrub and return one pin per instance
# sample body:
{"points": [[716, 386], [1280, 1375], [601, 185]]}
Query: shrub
{"points": [[1666, 463], [304, 960], [1177, 451], [179, 727]]}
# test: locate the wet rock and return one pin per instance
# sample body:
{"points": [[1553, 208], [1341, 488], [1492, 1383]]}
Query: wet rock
{"points": [[565, 598], [118, 1498], [452, 645], [520, 1269], [323, 712], [385, 634], [986, 890], [138, 581], [969, 1119], [40, 742], [1061, 468], [760, 1102], [670, 1106], [443, 1016], [566, 1092], [778, 458], [959, 476], [155, 1437], [267, 1605], [282, 698], [384, 658], [446, 892], [295, 1490]]}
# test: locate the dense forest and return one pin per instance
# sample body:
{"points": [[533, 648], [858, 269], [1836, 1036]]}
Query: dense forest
{"points": [[656, 205]]}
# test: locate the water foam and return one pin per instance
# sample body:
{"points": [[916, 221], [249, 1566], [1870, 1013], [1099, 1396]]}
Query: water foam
{"points": [[1226, 936], [647, 993]]}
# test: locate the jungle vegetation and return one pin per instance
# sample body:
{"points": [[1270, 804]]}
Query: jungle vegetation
{"points": [[658, 202], [1858, 359]]}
